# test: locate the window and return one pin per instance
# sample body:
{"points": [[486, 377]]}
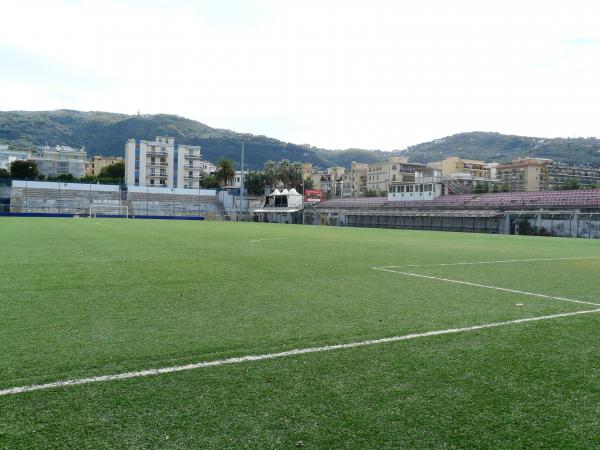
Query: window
{"points": [[152, 182], [191, 174]]}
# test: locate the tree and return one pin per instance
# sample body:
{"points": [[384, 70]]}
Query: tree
{"points": [[571, 185], [209, 181], [255, 182], [115, 171], [309, 183], [23, 170], [4, 173], [225, 172]]}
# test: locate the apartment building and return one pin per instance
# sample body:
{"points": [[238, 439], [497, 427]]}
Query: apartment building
{"points": [[97, 163], [8, 156], [466, 168], [525, 174], [162, 163], [60, 160], [396, 168], [358, 178], [560, 174]]}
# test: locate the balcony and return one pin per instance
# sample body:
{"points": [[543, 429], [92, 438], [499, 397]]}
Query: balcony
{"points": [[156, 175], [192, 156], [158, 153], [156, 164], [193, 177]]}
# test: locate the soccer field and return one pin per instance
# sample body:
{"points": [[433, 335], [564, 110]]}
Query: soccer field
{"points": [[190, 334]]}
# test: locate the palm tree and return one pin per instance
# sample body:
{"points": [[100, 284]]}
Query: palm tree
{"points": [[225, 171]]}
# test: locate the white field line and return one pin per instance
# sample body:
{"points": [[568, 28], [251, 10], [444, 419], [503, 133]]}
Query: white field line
{"points": [[492, 262], [268, 239], [300, 351], [513, 291]]}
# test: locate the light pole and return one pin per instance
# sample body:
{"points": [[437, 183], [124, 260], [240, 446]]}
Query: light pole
{"points": [[242, 181]]}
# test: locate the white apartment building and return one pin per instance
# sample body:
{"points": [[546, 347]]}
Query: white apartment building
{"points": [[163, 163], [8, 156], [60, 160]]}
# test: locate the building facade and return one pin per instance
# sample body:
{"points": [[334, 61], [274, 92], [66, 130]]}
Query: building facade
{"points": [[524, 175], [560, 175], [395, 169], [162, 163], [60, 160], [97, 163], [8, 156], [467, 168]]}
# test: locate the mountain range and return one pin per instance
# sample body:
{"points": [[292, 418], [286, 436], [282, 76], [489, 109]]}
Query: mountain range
{"points": [[104, 133]]}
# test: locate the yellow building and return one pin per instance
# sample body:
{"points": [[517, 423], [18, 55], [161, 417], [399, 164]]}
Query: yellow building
{"points": [[358, 178], [100, 162], [396, 168], [524, 174], [471, 168]]}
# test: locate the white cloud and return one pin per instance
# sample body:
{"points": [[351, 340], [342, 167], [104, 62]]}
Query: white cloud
{"points": [[378, 74]]}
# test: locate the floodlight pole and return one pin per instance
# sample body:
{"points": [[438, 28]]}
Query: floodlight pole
{"points": [[302, 197], [242, 182]]}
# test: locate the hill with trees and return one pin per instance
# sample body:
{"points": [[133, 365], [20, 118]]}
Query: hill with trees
{"points": [[504, 148], [104, 133]]}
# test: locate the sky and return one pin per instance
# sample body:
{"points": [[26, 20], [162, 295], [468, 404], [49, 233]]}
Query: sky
{"points": [[375, 74]]}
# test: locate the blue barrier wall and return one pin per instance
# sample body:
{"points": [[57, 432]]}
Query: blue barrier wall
{"points": [[107, 216]]}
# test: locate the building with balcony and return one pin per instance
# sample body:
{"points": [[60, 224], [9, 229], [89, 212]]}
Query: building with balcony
{"points": [[97, 163], [60, 160], [560, 174], [395, 169], [163, 163], [8, 156], [524, 175]]}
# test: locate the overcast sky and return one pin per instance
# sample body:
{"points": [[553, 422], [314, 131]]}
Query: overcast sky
{"points": [[335, 74]]}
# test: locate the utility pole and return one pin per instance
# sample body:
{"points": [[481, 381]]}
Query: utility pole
{"points": [[242, 181]]}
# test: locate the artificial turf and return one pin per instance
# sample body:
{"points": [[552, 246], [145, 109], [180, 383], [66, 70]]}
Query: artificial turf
{"points": [[84, 297]]}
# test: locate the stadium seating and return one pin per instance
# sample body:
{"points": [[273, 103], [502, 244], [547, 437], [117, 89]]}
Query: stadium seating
{"points": [[152, 204], [497, 201], [43, 200]]}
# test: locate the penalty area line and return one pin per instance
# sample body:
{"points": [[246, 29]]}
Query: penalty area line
{"points": [[502, 261], [485, 286], [267, 356]]}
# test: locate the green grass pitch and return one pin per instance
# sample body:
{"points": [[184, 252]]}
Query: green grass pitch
{"points": [[88, 297]]}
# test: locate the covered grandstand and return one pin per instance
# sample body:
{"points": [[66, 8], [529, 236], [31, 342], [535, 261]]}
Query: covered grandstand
{"points": [[555, 213]]}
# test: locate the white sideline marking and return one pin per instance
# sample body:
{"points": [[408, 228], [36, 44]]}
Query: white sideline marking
{"points": [[494, 262], [268, 239], [514, 291], [300, 351]]}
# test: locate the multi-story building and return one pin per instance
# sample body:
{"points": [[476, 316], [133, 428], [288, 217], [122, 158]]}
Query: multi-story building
{"points": [[427, 185], [467, 168], [7, 156], [60, 160], [396, 168], [524, 175], [97, 163], [560, 174], [358, 178], [162, 162]]}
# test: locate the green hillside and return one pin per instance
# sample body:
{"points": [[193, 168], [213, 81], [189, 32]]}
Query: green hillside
{"points": [[106, 133], [503, 148]]}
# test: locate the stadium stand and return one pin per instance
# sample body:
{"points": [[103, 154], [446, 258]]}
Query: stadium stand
{"points": [[553, 213], [61, 198], [152, 204], [500, 201]]}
